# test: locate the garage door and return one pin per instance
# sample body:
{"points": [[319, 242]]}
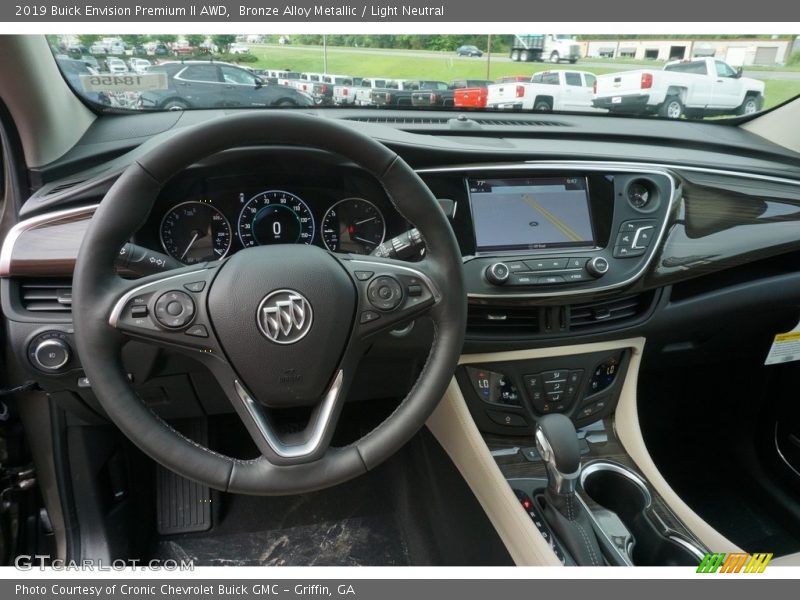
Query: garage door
{"points": [[765, 56]]}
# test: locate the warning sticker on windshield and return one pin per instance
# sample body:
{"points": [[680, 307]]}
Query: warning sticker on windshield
{"points": [[129, 82], [785, 347]]}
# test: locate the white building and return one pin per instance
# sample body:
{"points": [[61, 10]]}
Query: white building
{"points": [[735, 52]]}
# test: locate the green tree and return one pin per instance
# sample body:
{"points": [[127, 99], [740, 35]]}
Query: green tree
{"points": [[223, 41], [195, 40], [167, 38], [131, 41], [89, 39]]}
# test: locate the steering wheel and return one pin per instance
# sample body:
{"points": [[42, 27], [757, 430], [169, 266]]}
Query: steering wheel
{"points": [[279, 327]]}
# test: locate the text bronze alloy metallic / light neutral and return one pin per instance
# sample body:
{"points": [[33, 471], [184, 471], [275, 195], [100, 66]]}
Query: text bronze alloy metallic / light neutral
{"points": [[284, 316]]}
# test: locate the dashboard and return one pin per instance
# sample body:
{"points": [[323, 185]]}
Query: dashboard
{"points": [[210, 213], [570, 237]]}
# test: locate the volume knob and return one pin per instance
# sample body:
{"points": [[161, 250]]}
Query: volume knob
{"points": [[597, 267], [497, 273]]}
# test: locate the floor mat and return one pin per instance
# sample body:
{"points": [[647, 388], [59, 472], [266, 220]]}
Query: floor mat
{"points": [[358, 541]]}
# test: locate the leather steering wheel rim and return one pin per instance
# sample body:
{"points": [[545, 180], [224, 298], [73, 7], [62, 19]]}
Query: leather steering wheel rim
{"points": [[96, 288]]}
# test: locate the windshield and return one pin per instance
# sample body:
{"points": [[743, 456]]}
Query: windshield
{"points": [[668, 77]]}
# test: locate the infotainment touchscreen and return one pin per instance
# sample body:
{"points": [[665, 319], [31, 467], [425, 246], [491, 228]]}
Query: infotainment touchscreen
{"points": [[531, 214]]}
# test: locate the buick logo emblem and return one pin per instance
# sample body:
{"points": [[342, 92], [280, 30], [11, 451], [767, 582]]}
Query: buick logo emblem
{"points": [[284, 317]]}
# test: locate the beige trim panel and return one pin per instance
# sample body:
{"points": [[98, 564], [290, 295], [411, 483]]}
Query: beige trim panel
{"points": [[777, 126], [626, 421], [453, 427]]}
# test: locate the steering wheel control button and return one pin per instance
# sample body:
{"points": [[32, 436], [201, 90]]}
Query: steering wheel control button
{"points": [[174, 309], [598, 266], [196, 286], [139, 311], [497, 273], [364, 275], [50, 352], [197, 331], [414, 290], [368, 316], [385, 293]]}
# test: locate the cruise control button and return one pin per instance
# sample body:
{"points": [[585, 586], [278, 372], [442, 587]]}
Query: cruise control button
{"points": [[197, 331], [364, 275], [139, 311], [414, 290]]}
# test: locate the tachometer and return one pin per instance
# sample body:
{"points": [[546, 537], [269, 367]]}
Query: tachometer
{"points": [[275, 217], [353, 225], [195, 232]]}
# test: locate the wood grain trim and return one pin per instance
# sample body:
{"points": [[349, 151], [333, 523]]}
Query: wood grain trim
{"points": [[46, 245]]}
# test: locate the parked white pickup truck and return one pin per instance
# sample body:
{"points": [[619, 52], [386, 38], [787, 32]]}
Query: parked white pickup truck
{"points": [[695, 88], [363, 93], [546, 91]]}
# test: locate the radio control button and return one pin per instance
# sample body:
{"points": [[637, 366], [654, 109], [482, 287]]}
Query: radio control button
{"points": [[517, 266], [576, 263], [523, 279], [550, 280], [576, 276], [497, 273], [598, 266]]}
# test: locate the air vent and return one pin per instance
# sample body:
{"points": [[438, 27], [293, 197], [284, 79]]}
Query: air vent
{"points": [[521, 122], [511, 320], [598, 313], [61, 187], [47, 295], [527, 321]]}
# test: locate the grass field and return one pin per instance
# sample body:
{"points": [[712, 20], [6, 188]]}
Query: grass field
{"points": [[444, 66]]}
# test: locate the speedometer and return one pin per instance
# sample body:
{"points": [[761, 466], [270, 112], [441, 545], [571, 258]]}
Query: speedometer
{"points": [[353, 225], [275, 217], [195, 232]]}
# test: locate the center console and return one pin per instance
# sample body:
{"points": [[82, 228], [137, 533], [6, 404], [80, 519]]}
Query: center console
{"points": [[546, 230]]}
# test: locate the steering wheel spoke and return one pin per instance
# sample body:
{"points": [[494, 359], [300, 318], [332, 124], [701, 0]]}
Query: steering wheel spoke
{"points": [[169, 309], [390, 292], [296, 447]]}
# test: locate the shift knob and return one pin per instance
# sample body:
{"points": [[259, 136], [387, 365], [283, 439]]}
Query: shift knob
{"points": [[557, 443]]}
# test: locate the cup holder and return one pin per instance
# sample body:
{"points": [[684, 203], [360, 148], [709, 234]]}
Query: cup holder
{"points": [[624, 493]]}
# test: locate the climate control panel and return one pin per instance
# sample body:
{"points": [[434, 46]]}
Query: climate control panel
{"points": [[509, 396]]}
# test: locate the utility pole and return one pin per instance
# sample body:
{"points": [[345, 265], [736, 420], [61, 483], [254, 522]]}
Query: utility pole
{"points": [[489, 58], [324, 53]]}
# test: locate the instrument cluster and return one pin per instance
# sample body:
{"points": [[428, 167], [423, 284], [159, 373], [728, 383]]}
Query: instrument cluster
{"points": [[210, 217]]}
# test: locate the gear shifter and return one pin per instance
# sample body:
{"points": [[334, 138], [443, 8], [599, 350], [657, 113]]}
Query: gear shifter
{"points": [[557, 443]]}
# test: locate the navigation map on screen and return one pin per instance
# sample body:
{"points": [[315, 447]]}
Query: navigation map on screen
{"points": [[527, 214]]}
